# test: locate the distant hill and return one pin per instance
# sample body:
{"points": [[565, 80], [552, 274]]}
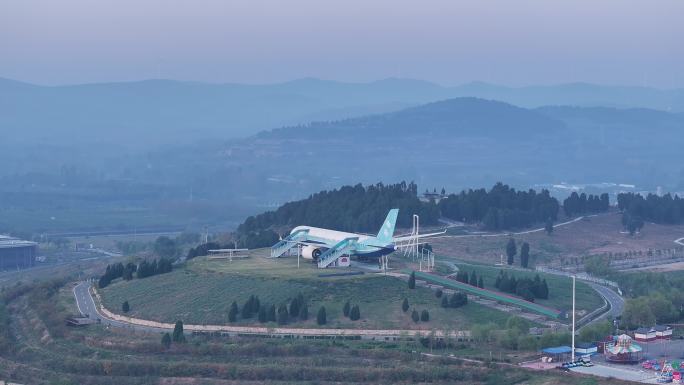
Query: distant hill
{"points": [[459, 117], [455, 143], [166, 111]]}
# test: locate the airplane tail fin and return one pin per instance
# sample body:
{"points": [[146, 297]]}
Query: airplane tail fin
{"points": [[387, 230]]}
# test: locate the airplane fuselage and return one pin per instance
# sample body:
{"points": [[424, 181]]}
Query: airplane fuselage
{"points": [[368, 246]]}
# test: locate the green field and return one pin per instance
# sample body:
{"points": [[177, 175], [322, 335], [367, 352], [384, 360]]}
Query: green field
{"points": [[202, 292], [560, 288]]}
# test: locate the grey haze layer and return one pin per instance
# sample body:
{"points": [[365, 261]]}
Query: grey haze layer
{"points": [[455, 143], [165, 112]]}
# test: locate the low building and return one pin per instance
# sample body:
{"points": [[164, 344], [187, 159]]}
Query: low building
{"points": [[645, 334], [663, 332], [16, 253], [585, 348], [557, 353]]}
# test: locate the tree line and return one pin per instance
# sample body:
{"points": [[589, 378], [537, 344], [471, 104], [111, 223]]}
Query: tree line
{"points": [[472, 279], [666, 209], [142, 270], [297, 309], [527, 288], [502, 207], [350, 208], [577, 204]]}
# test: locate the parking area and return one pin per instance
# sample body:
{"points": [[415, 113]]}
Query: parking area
{"points": [[659, 350], [663, 349], [627, 373]]}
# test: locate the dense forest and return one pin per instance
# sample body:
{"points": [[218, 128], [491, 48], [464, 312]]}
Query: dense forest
{"points": [[582, 203], [502, 207], [664, 209], [652, 298], [351, 208]]}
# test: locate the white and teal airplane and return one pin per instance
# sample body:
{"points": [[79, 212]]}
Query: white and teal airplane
{"points": [[325, 245]]}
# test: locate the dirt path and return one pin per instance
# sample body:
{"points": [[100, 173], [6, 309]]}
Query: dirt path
{"points": [[521, 232]]}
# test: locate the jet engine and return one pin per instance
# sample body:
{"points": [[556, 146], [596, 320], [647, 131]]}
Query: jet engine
{"points": [[311, 252]]}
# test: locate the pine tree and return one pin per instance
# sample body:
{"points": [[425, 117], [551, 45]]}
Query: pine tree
{"points": [[412, 280], [125, 307], [524, 255], [304, 312], [263, 316], [445, 301], [346, 309], [415, 317], [405, 305], [294, 307], [247, 308], [178, 335], [233, 312], [283, 315], [545, 290], [355, 313], [453, 300], [424, 316], [458, 299], [256, 305], [271, 316], [321, 317], [439, 293], [511, 250], [166, 340], [537, 288], [473, 279], [480, 283]]}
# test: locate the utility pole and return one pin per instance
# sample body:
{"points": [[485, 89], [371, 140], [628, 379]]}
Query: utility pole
{"points": [[573, 318]]}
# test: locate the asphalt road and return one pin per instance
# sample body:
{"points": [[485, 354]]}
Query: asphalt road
{"points": [[87, 308], [617, 303]]}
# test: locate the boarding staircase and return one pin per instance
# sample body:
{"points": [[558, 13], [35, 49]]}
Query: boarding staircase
{"points": [[342, 247], [286, 244]]}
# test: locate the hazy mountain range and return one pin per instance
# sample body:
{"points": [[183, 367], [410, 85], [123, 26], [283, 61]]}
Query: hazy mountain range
{"points": [[165, 153], [166, 111]]}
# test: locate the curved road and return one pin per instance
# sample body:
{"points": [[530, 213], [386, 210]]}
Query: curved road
{"points": [[616, 302], [87, 308]]}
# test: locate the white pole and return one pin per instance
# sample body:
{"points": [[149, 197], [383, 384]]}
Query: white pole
{"points": [[299, 252], [573, 318]]}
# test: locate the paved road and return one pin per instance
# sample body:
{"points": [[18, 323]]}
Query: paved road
{"points": [[508, 234], [616, 302], [87, 308]]}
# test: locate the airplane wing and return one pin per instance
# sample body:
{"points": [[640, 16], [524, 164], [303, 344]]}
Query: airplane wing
{"points": [[407, 237]]}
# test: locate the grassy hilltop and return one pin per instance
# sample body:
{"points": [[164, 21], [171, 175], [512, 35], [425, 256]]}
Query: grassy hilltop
{"points": [[202, 292]]}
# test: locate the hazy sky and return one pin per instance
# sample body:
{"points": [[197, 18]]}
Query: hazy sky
{"points": [[514, 42]]}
